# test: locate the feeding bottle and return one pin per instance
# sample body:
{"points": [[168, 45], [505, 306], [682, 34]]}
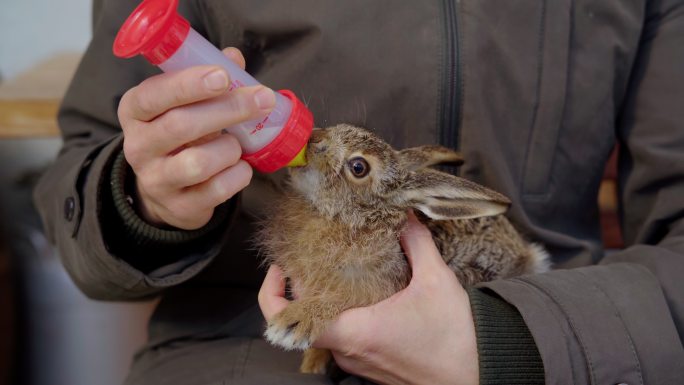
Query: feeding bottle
{"points": [[156, 31]]}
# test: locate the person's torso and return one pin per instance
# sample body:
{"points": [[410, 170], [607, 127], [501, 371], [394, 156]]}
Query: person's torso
{"points": [[529, 91]]}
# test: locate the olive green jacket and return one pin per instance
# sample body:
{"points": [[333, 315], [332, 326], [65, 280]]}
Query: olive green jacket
{"points": [[534, 93]]}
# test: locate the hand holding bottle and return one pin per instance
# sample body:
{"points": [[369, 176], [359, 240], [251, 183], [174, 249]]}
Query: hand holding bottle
{"points": [[165, 38], [184, 167]]}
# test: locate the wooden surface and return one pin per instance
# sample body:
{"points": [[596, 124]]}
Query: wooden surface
{"points": [[29, 102]]}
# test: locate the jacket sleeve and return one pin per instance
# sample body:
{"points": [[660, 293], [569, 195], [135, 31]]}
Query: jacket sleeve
{"points": [[623, 321], [74, 196]]}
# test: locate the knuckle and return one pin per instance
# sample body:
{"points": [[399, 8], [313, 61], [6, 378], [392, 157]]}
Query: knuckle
{"points": [[230, 150], [233, 147], [123, 111], [145, 104], [226, 185], [185, 90], [435, 281], [233, 150], [239, 105], [174, 124], [147, 109], [133, 151], [195, 164], [151, 184], [220, 190]]}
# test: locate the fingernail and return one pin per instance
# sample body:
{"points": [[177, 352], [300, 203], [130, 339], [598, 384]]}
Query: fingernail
{"points": [[216, 80], [264, 98]]}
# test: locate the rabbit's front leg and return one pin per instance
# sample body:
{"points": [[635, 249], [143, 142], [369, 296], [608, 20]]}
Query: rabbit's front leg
{"points": [[301, 323]]}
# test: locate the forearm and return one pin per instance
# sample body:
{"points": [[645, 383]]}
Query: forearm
{"points": [[590, 324]]}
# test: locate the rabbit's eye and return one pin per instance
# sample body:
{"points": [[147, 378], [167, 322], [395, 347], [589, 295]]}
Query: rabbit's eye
{"points": [[359, 167]]}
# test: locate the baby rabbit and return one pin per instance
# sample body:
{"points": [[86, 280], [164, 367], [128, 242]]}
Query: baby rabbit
{"points": [[336, 233]]}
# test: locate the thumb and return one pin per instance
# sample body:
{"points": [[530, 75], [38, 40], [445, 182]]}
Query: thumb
{"points": [[235, 56], [419, 247], [272, 294]]}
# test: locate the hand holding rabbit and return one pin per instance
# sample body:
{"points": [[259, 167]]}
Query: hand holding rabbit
{"points": [[422, 334], [336, 233]]}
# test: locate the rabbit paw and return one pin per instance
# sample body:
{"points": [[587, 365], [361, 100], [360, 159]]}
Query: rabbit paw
{"points": [[291, 331]]}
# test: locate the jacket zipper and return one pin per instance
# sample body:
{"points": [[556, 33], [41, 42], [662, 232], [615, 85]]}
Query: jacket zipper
{"points": [[451, 82]]}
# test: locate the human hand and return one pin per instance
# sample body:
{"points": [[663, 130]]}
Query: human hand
{"points": [[172, 124], [423, 334]]}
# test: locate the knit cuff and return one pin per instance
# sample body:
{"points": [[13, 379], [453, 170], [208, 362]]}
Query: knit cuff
{"points": [[507, 352], [141, 232]]}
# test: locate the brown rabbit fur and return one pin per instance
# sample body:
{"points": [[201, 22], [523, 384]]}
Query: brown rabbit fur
{"points": [[336, 233]]}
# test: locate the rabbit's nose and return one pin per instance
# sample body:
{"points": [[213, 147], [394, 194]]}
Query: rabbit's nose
{"points": [[319, 147], [317, 141], [316, 136]]}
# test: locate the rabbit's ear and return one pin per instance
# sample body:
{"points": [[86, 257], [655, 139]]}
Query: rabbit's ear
{"points": [[442, 196], [415, 158]]}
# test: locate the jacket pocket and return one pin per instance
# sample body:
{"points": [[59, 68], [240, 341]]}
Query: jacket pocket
{"points": [[553, 66]]}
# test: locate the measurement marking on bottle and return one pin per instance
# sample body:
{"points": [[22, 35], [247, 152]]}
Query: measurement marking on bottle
{"points": [[260, 125], [235, 84]]}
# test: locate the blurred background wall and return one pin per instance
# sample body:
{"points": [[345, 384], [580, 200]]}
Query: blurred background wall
{"points": [[50, 333], [33, 30]]}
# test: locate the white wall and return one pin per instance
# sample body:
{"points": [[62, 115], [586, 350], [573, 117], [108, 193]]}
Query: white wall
{"points": [[32, 30]]}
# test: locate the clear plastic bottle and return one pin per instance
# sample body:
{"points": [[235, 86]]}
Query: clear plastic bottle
{"points": [[156, 31]]}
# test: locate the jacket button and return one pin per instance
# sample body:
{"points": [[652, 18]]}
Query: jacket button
{"points": [[69, 208]]}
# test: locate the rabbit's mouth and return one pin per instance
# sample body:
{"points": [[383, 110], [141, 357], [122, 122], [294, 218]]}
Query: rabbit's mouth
{"points": [[316, 156]]}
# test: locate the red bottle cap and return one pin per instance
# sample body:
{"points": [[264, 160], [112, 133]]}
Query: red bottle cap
{"points": [[289, 142], [154, 29]]}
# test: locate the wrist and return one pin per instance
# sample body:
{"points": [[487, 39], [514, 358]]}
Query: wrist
{"points": [[125, 183], [142, 204], [139, 229]]}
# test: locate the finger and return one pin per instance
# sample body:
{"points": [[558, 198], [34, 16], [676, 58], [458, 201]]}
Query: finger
{"points": [[272, 293], [235, 56], [183, 125], [419, 247], [160, 93], [220, 187], [345, 333], [200, 162]]}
